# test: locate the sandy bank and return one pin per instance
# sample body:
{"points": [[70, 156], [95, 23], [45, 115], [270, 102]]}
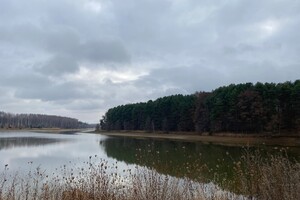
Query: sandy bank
{"points": [[224, 140]]}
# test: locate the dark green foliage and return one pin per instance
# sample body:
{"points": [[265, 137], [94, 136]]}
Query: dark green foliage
{"points": [[171, 113], [201, 119], [249, 108], [242, 108]]}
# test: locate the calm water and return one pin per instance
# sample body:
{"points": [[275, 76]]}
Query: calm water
{"points": [[22, 151], [25, 150]]}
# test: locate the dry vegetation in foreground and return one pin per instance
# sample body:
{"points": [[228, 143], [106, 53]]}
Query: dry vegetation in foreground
{"points": [[275, 177]]}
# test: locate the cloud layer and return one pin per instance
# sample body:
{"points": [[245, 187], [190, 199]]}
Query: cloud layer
{"points": [[79, 58]]}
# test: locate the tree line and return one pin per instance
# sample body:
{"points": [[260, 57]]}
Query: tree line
{"points": [[240, 108], [171, 113], [9, 120]]}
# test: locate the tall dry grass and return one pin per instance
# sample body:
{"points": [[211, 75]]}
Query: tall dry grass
{"points": [[273, 177], [256, 177]]}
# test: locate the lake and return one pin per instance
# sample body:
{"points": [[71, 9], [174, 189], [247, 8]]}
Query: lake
{"points": [[23, 151]]}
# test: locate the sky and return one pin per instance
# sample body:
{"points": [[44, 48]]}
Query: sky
{"points": [[78, 58]]}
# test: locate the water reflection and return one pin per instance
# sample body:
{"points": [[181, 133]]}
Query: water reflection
{"points": [[181, 159], [13, 142], [49, 151], [198, 161]]}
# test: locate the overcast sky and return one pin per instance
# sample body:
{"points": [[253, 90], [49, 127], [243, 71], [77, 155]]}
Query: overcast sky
{"points": [[78, 58]]}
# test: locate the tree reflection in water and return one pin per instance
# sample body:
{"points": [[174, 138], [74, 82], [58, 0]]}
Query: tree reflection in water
{"points": [[12, 142], [194, 160]]}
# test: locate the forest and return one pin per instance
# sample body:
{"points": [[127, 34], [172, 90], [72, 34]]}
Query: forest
{"points": [[236, 108], [9, 120]]}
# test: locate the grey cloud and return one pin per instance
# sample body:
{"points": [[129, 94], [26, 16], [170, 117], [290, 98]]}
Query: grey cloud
{"points": [[104, 51], [26, 85], [21, 34], [65, 42], [183, 79], [196, 45], [86, 104], [36, 86], [92, 52], [23, 80], [53, 92], [62, 42], [5, 96], [268, 71], [58, 65]]}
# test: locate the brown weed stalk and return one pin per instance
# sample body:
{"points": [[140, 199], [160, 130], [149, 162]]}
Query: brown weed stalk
{"points": [[274, 177]]}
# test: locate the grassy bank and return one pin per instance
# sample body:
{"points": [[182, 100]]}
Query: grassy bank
{"points": [[225, 139], [274, 177]]}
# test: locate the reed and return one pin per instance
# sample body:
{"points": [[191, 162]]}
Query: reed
{"points": [[274, 177], [255, 177]]}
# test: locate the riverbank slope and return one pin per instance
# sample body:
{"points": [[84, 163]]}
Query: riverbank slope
{"points": [[224, 139]]}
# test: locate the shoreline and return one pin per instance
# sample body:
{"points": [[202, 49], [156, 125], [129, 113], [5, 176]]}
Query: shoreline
{"points": [[223, 139], [230, 139]]}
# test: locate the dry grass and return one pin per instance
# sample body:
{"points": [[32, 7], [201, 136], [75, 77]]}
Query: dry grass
{"points": [[275, 177]]}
